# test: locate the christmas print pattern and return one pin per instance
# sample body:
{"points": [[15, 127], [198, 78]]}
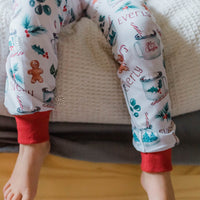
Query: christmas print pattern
{"points": [[31, 29], [135, 40], [40, 8]]}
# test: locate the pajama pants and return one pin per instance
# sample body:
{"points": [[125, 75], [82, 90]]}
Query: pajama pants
{"points": [[135, 39]]}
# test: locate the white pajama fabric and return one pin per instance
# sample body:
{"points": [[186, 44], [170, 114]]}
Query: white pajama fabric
{"points": [[136, 44]]}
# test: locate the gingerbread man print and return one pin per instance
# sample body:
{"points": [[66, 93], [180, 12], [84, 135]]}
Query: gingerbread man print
{"points": [[35, 72]]}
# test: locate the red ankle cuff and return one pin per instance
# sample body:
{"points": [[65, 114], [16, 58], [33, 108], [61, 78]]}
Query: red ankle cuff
{"points": [[156, 162], [33, 128]]}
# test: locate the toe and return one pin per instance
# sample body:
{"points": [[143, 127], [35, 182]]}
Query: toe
{"points": [[17, 196], [7, 185], [10, 196], [7, 192]]}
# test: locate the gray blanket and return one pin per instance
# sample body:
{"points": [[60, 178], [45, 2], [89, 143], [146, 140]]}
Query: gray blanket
{"points": [[107, 143]]}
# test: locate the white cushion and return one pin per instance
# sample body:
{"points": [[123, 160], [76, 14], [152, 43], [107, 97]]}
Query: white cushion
{"points": [[88, 89]]}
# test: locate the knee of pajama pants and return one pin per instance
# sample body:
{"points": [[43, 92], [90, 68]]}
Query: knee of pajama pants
{"points": [[31, 65]]}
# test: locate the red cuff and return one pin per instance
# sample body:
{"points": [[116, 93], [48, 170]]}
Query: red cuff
{"points": [[156, 162], [33, 128]]}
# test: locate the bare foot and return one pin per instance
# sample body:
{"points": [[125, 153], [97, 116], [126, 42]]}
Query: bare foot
{"points": [[23, 182], [158, 185]]}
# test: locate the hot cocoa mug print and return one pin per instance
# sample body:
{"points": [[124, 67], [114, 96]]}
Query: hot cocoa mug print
{"points": [[147, 47], [154, 85]]}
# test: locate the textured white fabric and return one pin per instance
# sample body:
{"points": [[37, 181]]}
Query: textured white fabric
{"points": [[96, 96]]}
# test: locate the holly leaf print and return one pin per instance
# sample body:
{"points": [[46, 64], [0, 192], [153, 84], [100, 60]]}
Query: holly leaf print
{"points": [[126, 6], [18, 78], [41, 1], [26, 22], [39, 50], [58, 2], [36, 30], [15, 68], [164, 113], [52, 70], [101, 18], [47, 10]]}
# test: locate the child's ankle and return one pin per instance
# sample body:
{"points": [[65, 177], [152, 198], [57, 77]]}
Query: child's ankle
{"points": [[158, 186], [43, 148]]}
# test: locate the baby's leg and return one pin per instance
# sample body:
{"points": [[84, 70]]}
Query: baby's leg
{"points": [[31, 71], [136, 44]]}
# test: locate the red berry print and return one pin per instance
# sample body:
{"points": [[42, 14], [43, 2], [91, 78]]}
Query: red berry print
{"points": [[126, 7], [26, 31], [27, 35], [45, 55], [64, 9], [165, 116]]}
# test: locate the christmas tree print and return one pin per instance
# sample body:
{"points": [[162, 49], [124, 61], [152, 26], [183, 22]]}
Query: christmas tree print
{"points": [[156, 90], [126, 6], [164, 113], [135, 138], [32, 29], [40, 51], [14, 75], [147, 139], [40, 8], [53, 71], [134, 107]]}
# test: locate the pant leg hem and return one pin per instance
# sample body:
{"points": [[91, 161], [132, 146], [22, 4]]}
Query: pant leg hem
{"points": [[156, 162], [33, 128]]}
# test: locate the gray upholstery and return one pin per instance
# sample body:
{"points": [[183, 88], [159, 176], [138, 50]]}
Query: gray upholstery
{"points": [[107, 142]]}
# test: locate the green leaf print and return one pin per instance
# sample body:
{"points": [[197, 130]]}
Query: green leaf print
{"points": [[32, 3], [53, 71], [38, 9], [164, 113], [126, 6], [38, 49], [47, 10], [101, 18], [58, 2], [36, 30], [73, 17], [15, 68], [60, 19], [14, 75], [26, 22], [18, 78]]}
